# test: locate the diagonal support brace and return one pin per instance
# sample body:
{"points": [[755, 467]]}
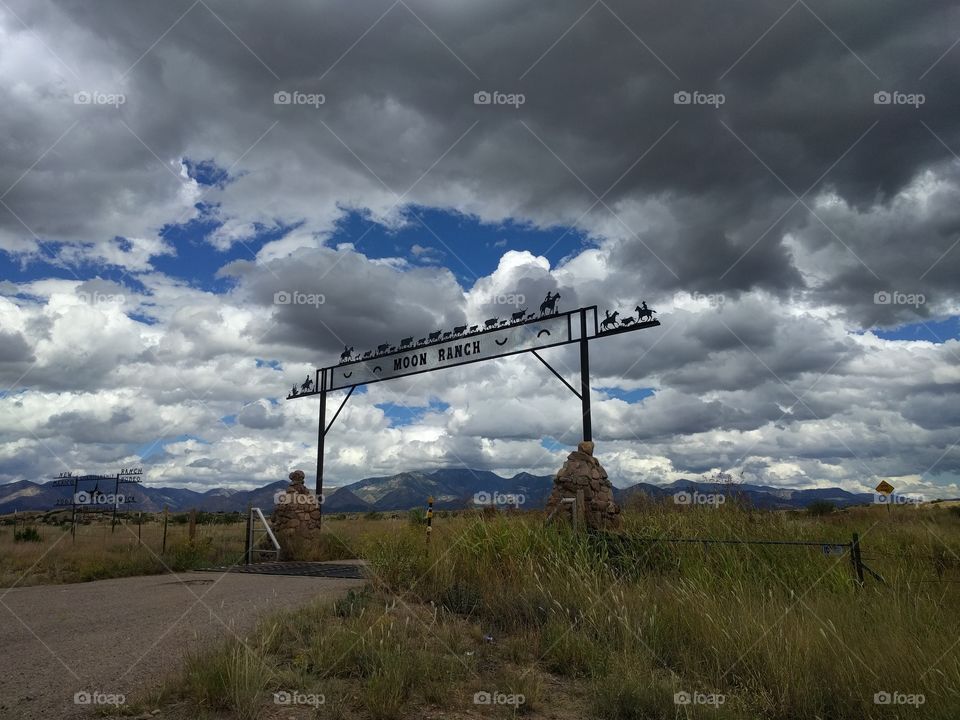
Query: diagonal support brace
{"points": [[571, 388], [337, 413]]}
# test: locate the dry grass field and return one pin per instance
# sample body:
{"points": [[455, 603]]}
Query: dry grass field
{"points": [[545, 623], [96, 552]]}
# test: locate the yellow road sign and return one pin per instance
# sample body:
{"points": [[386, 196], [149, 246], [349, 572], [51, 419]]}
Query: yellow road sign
{"points": [[884, 488]]}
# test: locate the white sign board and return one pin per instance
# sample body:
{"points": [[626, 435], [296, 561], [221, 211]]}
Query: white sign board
{"points": [[461, 350]]}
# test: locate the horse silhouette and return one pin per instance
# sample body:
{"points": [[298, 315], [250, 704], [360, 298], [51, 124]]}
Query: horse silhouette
{"points": [[549, 304], [610, 321], [644, 312], [347, 352], [307, 385]]}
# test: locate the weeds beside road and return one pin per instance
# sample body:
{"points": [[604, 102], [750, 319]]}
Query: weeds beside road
{"points": [[502, 608]]}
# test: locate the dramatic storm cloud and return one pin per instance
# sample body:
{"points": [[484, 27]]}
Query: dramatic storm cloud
{"points": [[202, 201]]}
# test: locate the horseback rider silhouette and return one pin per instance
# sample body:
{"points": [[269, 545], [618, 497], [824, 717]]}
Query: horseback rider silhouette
{"points": [[644, 312], [549, 303]]}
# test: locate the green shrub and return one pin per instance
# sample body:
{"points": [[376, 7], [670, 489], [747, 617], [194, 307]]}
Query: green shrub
{"points": [[820, 507], [27, 534], [189, 555]]}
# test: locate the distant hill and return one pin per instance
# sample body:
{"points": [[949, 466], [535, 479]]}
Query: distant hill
{"points": [[760, 496], [451, 488]]}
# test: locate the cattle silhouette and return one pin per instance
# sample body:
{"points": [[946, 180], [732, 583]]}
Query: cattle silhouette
{"points": [[406, 342], [492, 322], [458, 330]]}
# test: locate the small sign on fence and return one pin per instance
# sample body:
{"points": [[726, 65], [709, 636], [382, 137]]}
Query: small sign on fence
{"points": [[884, 488], [835, 550]]}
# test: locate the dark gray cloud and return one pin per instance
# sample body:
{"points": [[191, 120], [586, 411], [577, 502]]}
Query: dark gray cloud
{"points": [[799, 117], [700, 214]]}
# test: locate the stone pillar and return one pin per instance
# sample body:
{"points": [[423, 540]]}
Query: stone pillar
{"points": [[296, 516], [582, 475]]}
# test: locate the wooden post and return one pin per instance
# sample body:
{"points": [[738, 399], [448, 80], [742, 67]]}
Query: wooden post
{"points": [[248, 536], [579, 510], [139, 528], [116, 494], [429, 518], [856, 559], [163, 549], [193, 523], [73, 512]]}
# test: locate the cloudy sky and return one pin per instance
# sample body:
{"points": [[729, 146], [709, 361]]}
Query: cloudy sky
{"points": [[780, 181]]}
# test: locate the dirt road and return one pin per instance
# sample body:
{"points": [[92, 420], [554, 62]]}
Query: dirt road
{"points": [[114, 637]]}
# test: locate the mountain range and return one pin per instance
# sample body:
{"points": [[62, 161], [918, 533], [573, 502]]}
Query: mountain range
{"points": [[450, 488]]}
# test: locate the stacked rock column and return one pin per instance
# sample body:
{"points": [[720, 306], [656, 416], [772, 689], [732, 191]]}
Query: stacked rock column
{"points": [[583, 478], [296, 516]]}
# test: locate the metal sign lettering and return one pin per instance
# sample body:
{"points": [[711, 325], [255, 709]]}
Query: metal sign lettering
{"points": [[483, 345]]}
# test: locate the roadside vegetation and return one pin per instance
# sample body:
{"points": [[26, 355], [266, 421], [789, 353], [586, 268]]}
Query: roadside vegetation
{"points": [[502, 608]]}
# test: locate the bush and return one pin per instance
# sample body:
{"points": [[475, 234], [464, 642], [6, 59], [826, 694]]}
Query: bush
{"points": [[417, 516], [190, 555], [818, 508], [28, 534]]}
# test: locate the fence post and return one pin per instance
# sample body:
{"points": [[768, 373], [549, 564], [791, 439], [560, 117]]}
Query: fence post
{"points": [[139, 528], [193, 523], [579, 510], [855, 558], [247, 543], [429, 518], [165, 515]]}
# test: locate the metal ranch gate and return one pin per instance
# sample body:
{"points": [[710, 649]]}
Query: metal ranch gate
{"points": [[466, 344]]}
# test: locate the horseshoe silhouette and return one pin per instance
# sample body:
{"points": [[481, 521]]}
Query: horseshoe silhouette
{"points": [[542, 332], [346, 375], [501, 343], [378, 369]]}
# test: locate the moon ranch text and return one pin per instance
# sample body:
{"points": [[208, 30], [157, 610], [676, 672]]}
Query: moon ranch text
{"points": [[451, 353]]}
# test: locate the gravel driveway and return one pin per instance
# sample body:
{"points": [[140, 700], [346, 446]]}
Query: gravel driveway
{"points": [[119, 636]]}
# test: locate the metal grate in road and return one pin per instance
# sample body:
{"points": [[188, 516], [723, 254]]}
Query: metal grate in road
{"points": [[301, 569]]}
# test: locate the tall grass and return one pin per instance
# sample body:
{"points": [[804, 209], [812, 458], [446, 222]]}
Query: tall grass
{"points": [[589, 626], [781, 632]]}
